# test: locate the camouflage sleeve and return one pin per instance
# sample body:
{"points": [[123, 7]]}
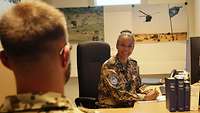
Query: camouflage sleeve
{"points": [[138, 80], [140, 88], [111, 82]]}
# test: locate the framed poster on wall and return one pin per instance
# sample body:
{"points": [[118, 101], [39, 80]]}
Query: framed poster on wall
{"points": [[85, 23]]}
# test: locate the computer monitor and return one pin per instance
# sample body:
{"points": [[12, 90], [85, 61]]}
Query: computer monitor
{"points": [[193, 59]]}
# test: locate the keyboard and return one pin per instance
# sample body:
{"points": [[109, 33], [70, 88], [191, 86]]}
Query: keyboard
{"points": [[162, 89], [151, 81]]}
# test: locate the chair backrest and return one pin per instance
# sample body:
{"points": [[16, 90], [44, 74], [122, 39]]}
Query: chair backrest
{"points": [[90, 57]]}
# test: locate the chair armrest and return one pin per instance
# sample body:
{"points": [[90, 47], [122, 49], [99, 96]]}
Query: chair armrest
{"points": [[87, 102]]}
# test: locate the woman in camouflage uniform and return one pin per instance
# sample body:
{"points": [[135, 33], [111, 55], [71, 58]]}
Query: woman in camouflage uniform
{"points": [[120, 83]]}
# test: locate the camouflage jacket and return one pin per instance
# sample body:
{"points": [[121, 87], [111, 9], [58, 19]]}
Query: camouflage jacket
{"points": [[35, 103], [119, 84]]}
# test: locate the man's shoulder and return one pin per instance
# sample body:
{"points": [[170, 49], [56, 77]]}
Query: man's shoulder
{"points": [[37, 102]]}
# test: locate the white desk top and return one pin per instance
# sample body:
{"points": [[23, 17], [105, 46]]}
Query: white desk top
{"points": [[143, 107]]}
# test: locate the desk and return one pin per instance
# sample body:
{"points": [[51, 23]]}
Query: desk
{"points": [[145, 107]]}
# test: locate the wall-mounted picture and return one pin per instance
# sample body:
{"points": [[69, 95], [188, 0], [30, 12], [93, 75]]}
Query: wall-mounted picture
{"points": [[161, 37], [85, 23], [160, 22]]}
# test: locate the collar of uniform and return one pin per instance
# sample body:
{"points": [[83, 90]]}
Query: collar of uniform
{"points": [[120, 65], [118, 61], [34, 101]]}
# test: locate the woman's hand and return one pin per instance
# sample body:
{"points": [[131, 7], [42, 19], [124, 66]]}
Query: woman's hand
{"points": [[151, 94]]}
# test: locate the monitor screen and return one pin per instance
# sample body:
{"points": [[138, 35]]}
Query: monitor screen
{"points": [[193, 59]]}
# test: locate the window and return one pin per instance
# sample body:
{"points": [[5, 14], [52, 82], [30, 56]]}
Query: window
{"points": [[116, 2]]}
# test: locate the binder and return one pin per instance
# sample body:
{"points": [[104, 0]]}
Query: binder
{"points": [[171, 96], [180, 94], [187, 95]]}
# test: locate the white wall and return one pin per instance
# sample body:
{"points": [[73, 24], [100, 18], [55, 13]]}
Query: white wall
{"points": [[191, 22], [153, 58], [7, 81], [194, 17], [197, 17], [69, 3], [4, 5], [116, 18], [163, 1], [160, 22], [163, 57], [160, 58], [73, 57]]}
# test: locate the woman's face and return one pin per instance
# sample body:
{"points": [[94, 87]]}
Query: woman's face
{"points": [[125, 47]]}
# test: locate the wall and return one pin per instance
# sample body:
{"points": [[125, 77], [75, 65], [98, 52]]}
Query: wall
{"points": [[160, 22], [117, 18], [69, 3], [153, 58], [84, 3], [3, 6], [162, 1], [7, 81], [197, 17], [160, 58]]}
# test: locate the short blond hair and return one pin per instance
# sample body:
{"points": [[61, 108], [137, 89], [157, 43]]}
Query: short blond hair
{"points": [[27, 26]]}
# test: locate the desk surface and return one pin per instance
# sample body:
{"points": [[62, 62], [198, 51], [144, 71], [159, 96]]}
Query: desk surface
{"points": [[145, 107]]}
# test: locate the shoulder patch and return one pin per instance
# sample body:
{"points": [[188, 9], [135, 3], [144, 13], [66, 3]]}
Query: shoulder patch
{"points": [[113, 80]]}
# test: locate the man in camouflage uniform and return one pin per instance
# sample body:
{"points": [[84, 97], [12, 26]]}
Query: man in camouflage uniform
{"points": [[35, 42], [29, 102], [120, 83]]}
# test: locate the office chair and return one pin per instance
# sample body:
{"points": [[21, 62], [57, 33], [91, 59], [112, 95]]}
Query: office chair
{"points": [[90, 57]]}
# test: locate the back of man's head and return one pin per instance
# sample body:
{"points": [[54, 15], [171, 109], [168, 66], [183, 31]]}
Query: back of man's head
{"points": [[33, 36], [27, 27]]}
